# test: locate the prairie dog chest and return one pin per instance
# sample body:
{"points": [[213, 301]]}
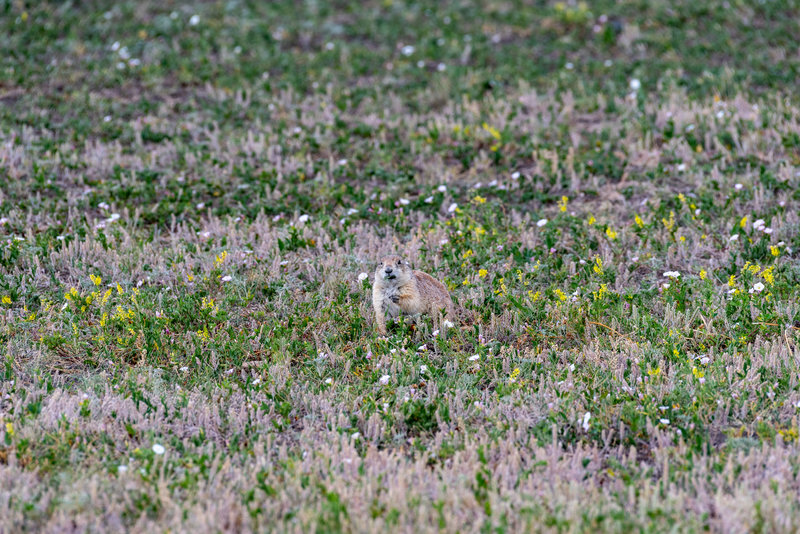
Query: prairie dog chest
{"points": [[389, 294]]}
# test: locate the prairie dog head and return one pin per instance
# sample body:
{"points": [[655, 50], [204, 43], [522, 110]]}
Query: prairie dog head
{"points": [[393, 270]]}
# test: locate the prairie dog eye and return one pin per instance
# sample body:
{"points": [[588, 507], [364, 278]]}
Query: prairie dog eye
{"points": [[399, 262]]}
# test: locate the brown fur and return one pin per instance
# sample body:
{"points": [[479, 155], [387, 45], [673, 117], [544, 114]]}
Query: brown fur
{"points": [[407, 291]]}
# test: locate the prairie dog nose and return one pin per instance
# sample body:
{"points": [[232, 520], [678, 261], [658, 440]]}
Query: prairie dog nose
{"points": [[388, 270]]}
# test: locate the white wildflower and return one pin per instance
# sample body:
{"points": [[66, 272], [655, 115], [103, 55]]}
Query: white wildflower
{"points": [[158, 449]]}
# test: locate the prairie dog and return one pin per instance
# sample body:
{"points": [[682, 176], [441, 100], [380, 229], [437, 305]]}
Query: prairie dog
{"points": [[398, 288]]}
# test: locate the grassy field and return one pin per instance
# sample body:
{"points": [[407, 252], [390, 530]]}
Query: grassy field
{"points": [[190, 193]]}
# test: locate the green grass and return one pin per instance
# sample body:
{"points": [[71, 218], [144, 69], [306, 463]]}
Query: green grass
{"points": [[610, 191]]}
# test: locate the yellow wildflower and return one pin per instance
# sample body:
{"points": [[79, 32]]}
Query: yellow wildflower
{"points": [[482, 273], [639, 221], [562, 204], [96, 280], [703, 274], [598, 295], [6, 299], [669, 224], [203, 334], [611, 233], [774, 250], [598, 266], [768, 276], [492, 131], [503, 289]]}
